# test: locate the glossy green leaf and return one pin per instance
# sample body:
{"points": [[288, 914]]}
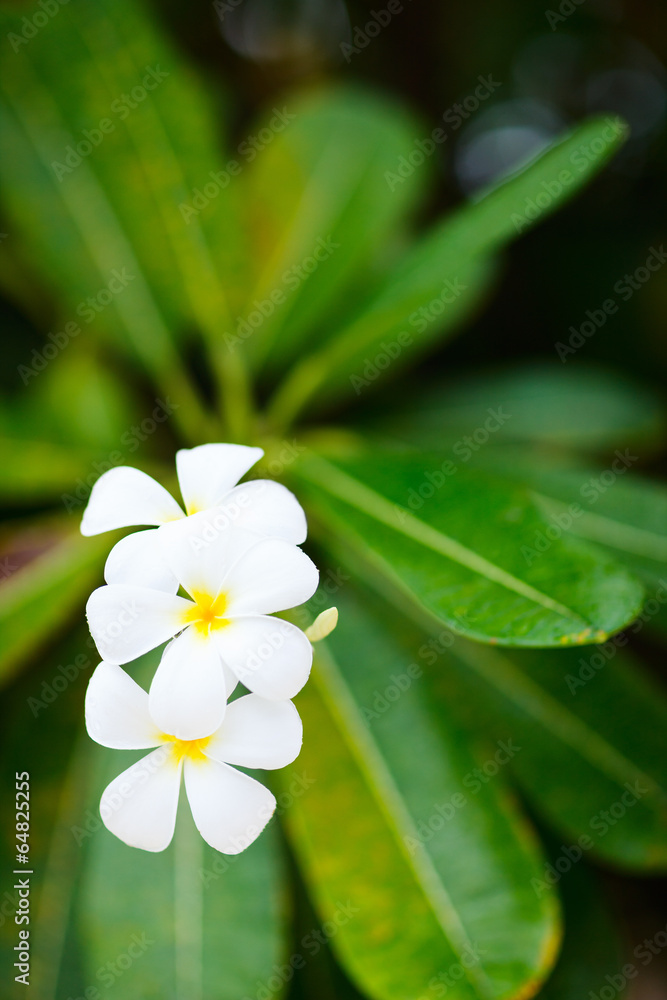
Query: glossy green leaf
{"points": [[420, 871], [614, 506], [95, 180], [38, 598], [323, 217], [460, 545], [454, 251], [593, 727], [582, 408]]}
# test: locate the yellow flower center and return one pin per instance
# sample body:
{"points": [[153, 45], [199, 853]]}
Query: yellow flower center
{"points": [[207, 613], [192, 749]]}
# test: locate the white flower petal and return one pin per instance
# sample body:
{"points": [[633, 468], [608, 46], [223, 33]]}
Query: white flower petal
{"points": [[124, 497], [231, 680], [268, 509], [117, 713], [201, 549], [208, 472], [138, 559], [127, 621], [187, 698], [270, 656], [229, 808], [271, 576], [258, 733], [139, 806]]}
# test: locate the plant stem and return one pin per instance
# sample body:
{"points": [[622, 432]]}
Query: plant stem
{"points": [[293, 394], [188, 909], [235, 393]]}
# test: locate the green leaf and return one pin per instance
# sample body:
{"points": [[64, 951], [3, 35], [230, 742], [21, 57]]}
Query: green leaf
{"points": [[319, 188], [614, 507], [593, 730], [460, 545], [385, 339], [583, 408], [40, 470], [456, 250], [421, 872], [38, 598], [78, 404], [113, 207], [205, 925], [44, 740], [81, 400]]}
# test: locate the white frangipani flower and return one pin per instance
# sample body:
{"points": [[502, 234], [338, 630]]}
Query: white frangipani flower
{"points": [[230, 809], [224, 633], [125, 497]]}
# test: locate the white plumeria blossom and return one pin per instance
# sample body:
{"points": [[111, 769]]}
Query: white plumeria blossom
{"points": [[208, 475], [230, 809], [223, 634]]}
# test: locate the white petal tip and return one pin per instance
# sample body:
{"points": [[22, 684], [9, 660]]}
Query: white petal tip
{"points": [[323, 625]]}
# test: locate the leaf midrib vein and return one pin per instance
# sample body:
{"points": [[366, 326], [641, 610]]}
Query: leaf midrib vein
{"points": [[341, 704], [366, 500]]}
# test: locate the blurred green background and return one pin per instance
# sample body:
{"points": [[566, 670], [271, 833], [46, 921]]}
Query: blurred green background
{"points": [[551, 67]]}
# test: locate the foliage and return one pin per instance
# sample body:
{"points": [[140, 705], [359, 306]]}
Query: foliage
{"points": [[301, 278]]}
